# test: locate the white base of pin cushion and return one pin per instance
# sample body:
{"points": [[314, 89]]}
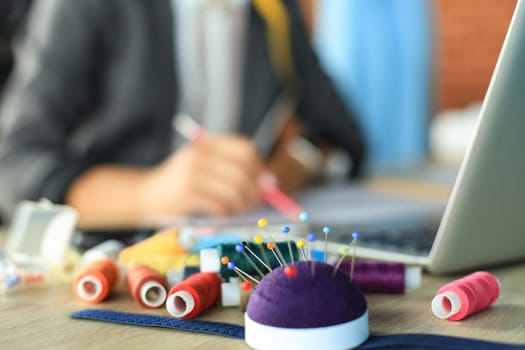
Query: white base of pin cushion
{"points": [[341, 336]]}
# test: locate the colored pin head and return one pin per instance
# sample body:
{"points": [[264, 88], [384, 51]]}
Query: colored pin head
{"points": [[311, 237], [239, 248], [246, 286], [326, 231], [304, 217], [286, 229], [356, 235], [261, 223], [258, 239], [290, 271]]}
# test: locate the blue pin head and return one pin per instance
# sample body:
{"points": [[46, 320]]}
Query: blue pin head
{"points": [[231, 265], [311, 237], [326, 230], [303, 216], [239, 248], [356, 235], [286, 229]]}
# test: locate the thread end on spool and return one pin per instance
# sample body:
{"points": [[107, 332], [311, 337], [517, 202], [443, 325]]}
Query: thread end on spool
{"points": [[210, 260], [90, 289], [446, 305], [412, 277], [153, 294], [180, 304]]}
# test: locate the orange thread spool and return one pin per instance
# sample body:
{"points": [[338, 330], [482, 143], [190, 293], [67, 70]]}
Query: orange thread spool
{"points": [[194, 295], [147, 287], [93, 283]]}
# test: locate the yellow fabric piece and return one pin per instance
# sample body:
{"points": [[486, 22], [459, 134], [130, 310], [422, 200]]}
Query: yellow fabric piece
{"points": [[162, 243], [162, 263]]}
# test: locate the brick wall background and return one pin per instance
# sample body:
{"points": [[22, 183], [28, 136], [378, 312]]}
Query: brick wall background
{"points": [[469, 35]]}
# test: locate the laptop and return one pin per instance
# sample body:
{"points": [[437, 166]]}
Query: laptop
{"points": [[483, 222]]}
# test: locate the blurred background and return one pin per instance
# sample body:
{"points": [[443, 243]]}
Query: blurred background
{"points": [[415, 70], [419, 70]]}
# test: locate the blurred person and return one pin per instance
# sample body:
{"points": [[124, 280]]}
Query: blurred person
{"points": [[87, 115]]}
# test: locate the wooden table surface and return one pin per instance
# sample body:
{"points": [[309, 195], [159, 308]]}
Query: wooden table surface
{"points": [[38, 318]]}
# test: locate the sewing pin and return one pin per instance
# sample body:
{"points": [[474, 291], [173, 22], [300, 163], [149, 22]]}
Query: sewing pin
{"points": [[353, 244], [259, 241], [271, 246], [304, 217], [300, 245], [239, 248], [262, 223], [286, 230], [290, 271], [245, 245], [311, 239], [246, 286], [326, 231], [343, 251], [231, 266]]}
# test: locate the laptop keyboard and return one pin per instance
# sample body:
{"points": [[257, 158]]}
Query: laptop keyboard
{"points": [[414, 239]]}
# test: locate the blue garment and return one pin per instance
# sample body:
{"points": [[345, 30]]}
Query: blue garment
{"points": [[379, 55]]}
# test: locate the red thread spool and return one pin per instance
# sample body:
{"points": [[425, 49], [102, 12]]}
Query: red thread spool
{"points": [[147, 287], [194, 295], [465, 296], [93, 283]]}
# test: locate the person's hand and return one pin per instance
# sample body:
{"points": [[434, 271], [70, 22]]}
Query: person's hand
{"points": [[216, 176]]}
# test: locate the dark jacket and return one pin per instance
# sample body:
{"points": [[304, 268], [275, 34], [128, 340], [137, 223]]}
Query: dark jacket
{"points": [[95, 83]]}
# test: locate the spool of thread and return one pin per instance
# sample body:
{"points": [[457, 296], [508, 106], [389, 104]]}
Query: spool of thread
{"points": [[66, 270], [94, 282], [383, 277], [210, 259], [194, 295], [231, 293], [162, 243], [108, 249], [235, 293], [147, 287], [465, 296]]}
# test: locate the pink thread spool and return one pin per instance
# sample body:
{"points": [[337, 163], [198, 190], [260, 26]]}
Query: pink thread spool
{"points": [[465, 296]]}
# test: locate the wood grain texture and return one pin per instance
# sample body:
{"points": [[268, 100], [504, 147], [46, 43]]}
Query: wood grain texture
{"points": [[38, 318]]}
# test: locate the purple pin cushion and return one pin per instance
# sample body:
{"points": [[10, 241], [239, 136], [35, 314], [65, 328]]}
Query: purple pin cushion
{"points": [[311, 310]]}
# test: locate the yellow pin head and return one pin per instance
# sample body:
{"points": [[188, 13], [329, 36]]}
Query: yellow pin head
{"points": [[262, 222], [300, 244], [343, 250], [258, 239]]}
